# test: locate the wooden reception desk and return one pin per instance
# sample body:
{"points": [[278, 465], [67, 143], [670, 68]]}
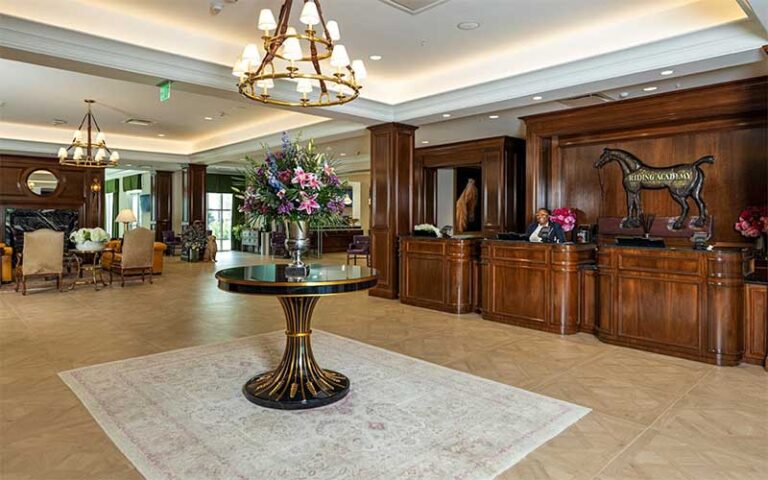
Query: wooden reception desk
{"points": [[439, 273], [680, 302], [533, 284]]}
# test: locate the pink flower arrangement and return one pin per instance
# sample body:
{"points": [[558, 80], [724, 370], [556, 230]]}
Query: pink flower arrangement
{"points": [[752, 222], [565, 216]]}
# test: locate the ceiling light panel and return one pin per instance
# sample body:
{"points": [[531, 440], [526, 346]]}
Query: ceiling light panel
{"points": [[414, 7]]}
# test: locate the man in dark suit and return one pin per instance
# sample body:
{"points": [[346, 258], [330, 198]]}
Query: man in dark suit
{"points": [[543, 230]]}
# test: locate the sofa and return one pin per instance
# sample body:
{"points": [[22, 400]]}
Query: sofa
{"points": [[7, 262], [157, 258]]}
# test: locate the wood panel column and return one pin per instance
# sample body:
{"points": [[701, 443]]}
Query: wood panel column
{"points": [[94, 200], [162, 198], [196, 198], [393, 198]]}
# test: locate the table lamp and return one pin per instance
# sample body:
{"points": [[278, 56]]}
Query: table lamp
{"points": [[125, 217]]}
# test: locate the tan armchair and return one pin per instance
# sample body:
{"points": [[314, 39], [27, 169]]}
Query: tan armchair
{"points": [[42, 256], [136, 256]]}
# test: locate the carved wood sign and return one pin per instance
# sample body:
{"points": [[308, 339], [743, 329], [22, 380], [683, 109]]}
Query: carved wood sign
{"points": [[682, 181]]}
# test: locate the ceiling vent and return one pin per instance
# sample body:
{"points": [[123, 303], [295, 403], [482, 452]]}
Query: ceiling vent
{"points": [[586, 100], [414, 7], [138, 122]]}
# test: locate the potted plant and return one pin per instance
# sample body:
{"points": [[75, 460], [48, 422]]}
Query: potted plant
{"points": [[89, 239], [753, 223], [296, 186]]}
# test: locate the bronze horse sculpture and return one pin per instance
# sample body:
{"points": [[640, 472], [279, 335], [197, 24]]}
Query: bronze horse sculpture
{"points": [[682, 181]]}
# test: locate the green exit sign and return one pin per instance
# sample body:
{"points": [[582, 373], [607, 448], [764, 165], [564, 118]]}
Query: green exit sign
{"points": [[165, 90]]}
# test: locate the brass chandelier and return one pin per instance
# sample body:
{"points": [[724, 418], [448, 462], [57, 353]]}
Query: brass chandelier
{"points": [[314, 88], [88, 151]]}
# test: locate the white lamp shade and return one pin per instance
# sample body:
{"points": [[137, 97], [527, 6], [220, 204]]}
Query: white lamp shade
{"points": [[333, 30], [114, 157], [62, 153], [100, 154], [339, 57], [101, 138], [78, 153], [126, 215], [309, 14], [292, 47], [360, 72], [251, 53], [304, 85], [268, 83], [267, 20], [241, 66], [78, 136]]}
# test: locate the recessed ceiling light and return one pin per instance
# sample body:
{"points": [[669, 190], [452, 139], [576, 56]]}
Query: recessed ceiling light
{"points": [[425, 142], [467, 25], [493, 117], [128, 165], [624, 94], [342, 154], [58, 121], [538, 97], [446, 115], [650, 89], [208, 118], [667, 72], [375, 58], [160, 134]]}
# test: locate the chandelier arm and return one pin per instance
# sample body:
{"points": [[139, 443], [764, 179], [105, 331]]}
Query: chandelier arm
{"points": [[282, 26], [316, 63]]}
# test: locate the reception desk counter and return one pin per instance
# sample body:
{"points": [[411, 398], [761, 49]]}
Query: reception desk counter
{"points": [[533, 285], [680, 302], [439, 273]]}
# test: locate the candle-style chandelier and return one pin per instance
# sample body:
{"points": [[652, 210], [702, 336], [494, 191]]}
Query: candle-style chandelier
{"points": [[84, 145], [314, 88]]}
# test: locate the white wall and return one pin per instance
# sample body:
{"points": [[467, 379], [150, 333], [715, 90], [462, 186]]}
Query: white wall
{"points": [[446, 180]]}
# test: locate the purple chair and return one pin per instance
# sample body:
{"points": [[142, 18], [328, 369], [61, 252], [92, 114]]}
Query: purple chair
{"points": [[172, 241], [277, 245], [360, 246]]}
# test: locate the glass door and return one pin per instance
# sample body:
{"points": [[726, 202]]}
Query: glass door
{"points": [[220, 219]]}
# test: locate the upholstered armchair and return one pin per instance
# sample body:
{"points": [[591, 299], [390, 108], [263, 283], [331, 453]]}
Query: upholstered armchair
{"points": [[136, 255], [42, 256], [113, 249], [277, 244], [361, 245], [6, 263]]}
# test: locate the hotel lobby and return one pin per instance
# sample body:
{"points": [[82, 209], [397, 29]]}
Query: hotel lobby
{"points": [[384, 239]]}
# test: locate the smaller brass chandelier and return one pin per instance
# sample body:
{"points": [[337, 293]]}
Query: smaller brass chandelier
{"points": [[88, 151], [314, 88]]}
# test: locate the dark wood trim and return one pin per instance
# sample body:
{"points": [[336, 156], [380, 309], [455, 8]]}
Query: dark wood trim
{"points": [[162, 197]]}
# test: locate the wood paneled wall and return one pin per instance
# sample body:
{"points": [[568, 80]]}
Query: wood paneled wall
{"points": [[502, 160], [162, 196], [73, 191], [393, 190], [195, 193], [727, 121]]}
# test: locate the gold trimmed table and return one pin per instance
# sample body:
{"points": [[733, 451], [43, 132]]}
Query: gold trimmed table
{"points": [[92, 268], [298, 382]]}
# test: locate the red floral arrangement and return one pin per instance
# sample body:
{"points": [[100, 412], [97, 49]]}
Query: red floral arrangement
{"points": [[566, 217], [752, 222]]}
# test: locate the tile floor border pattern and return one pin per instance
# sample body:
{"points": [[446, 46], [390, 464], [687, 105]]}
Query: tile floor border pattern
{"points": [[654, 417]]}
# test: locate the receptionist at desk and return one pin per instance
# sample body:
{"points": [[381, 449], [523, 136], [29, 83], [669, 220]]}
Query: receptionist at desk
{"points": [[543, 230]]}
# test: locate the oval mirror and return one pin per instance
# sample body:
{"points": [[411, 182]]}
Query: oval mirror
{"points": [[42, 182]]}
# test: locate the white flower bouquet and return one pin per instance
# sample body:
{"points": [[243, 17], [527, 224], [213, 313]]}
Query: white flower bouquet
{"points": [[89, 238], [427, 230]]}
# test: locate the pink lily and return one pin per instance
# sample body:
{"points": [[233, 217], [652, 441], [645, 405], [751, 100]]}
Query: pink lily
{"points": [[308, 203]]}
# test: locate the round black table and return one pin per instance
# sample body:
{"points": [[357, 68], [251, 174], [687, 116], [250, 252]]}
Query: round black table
{"points": [[298, 382]]}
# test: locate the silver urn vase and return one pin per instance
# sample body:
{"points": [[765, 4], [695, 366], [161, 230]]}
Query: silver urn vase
{"points": [[297, 242]]}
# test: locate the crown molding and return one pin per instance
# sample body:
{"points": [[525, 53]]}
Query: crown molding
{"points": [[49, 149], [42, 39], [731, 44]]}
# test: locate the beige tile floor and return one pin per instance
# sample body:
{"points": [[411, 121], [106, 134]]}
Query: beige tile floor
{"points": [[654, 417]]}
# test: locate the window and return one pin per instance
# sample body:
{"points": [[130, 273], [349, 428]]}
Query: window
{"points": [[220, 219], [109, 199]]}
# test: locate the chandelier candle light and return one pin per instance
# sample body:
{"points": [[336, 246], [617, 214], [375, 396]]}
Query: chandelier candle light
{"points": [[314, 88], [88, 151]]}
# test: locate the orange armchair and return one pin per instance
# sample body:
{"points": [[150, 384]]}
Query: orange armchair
{"points": [[6, 258], [157, 258]]}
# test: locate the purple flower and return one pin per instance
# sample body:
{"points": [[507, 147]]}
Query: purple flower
{"points": [[285, 208], [336, 206], [334, 181]]}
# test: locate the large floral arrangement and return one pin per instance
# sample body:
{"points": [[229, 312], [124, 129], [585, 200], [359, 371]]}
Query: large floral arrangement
{"points": [[566, 217], [296, 183], [83, 235], [752, 222]]}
